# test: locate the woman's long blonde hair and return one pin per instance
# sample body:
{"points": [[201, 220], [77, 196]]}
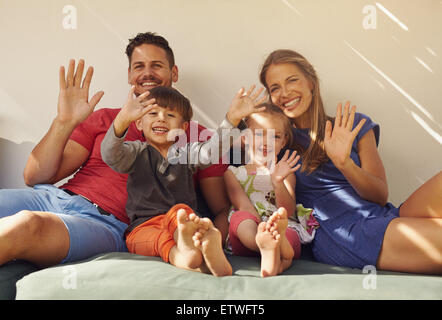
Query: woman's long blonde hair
{"points": [[315, 154]]}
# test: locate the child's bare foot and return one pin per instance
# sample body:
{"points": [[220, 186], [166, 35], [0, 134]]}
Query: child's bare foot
{"points": [[186, 255], [269, 246], [209, 240], [279, 221]]}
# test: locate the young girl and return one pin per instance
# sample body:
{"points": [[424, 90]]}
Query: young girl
{"points": [[343, 179], [256, 191]]}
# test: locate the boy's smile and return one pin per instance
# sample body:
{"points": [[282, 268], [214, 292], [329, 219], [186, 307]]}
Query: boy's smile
{"points": [[158, 123], [160, 130]]}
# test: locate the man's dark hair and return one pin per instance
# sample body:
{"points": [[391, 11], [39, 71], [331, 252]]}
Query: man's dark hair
{"points": [[150, 38]]}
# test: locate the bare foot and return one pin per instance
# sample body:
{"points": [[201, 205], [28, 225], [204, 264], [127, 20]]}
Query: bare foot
{"points": [[269, 246], [279, 221], [185, 255], [209, 240]]}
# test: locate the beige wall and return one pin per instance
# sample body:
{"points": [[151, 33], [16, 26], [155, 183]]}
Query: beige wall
{"points": [[390, 68]]}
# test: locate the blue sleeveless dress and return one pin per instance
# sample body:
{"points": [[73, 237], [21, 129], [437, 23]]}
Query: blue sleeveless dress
{"points": [[351, 229]]}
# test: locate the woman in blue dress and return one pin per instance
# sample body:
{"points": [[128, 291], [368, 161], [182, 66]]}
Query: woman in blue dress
{"points": [[342, 177]]}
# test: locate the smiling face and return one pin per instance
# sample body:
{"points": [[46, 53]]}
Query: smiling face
{"points": [[290, 90], [149, 68], [268, 137], [158, 124]]}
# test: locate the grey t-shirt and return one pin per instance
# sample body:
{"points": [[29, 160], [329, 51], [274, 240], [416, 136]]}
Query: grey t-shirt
{"points": [[155, 184]]}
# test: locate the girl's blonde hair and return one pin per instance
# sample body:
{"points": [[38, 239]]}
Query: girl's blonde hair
{"points": [[274, 112], [315, 154]]}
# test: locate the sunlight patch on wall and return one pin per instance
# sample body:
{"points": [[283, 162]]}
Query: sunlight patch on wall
{"points": [[420, 180], [106, 25], [426, 127], [377, 82], [431, 51], [395, 85], [204, 116], [395, 39], [391, 16], [103, 22], [424, 64], [291, 7]]}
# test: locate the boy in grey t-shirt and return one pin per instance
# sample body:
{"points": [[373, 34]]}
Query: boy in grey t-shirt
{"points": [[160, 188]]}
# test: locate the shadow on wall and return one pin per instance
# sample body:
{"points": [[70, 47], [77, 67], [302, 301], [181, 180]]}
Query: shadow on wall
{"points": [[13, 158]]}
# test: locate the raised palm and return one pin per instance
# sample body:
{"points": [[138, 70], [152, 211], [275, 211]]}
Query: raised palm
{"points": [[136, 107], [74, 105], [245, 103], [338, 140], [285, 166]]}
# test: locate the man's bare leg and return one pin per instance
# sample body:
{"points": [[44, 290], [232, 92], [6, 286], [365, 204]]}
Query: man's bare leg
{"points": [[39, 237]]}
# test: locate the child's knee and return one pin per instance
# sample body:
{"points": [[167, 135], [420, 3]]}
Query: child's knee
{"points": [[295, 241], [238, 217]]}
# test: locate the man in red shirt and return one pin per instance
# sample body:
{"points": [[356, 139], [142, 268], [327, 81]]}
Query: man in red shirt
{"points": [[48, 225]]}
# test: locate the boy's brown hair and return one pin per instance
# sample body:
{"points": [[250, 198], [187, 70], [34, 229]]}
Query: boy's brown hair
{"points": [[171, 98]]}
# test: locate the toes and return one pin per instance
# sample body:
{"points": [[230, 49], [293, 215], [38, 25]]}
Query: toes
{"points": [[262, 227], [196, 240], [276, 235], [181, 216], [206, 223], [198, 234], [267, 226], [209, 223], [274, 217], [282, 212], [193, 217]]}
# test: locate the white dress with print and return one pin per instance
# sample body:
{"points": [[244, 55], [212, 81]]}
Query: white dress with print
{"points": [[259, 189]]}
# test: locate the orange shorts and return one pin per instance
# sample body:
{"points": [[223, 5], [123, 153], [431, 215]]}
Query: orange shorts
{"points": [[155, 236]]}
